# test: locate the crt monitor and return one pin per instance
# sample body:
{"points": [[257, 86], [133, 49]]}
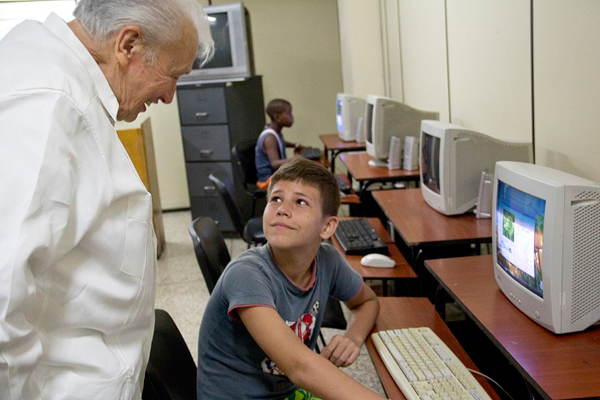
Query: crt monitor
{"points": [[384, 118], [233, 58], [350, 111], [452, 160], [546, 244]]}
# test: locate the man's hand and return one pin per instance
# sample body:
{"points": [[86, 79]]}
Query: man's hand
{"points": [[341, 351]]}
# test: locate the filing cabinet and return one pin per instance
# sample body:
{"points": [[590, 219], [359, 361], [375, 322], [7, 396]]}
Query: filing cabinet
{"points": [[214, 117]]}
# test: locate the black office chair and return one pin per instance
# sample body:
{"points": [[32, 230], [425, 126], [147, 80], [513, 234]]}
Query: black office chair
{"points": [[242, 155], [210, 248], [213, 257], [171, 370], [251, 231]]}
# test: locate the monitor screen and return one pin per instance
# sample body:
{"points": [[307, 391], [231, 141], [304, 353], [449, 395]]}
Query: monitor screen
{"points": [[219, 29], [430, 162], [369, 123], [520, 236], [232, 60], [338, 115]]}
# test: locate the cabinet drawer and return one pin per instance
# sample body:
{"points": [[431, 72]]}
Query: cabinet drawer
{"points": [[198, 106], [206, 143], [198, 182], [213, 207]]}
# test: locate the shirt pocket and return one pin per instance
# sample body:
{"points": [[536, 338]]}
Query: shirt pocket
{"points": [[137, 236]]}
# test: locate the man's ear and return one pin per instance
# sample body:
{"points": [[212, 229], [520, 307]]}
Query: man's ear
{"points": [[328, 230], [128, 44]]}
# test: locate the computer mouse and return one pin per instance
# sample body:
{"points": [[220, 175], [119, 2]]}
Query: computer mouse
{"points": [[377, 261]]}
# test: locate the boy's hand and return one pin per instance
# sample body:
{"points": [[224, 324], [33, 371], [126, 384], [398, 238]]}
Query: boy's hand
{"points": [[341, 351]]}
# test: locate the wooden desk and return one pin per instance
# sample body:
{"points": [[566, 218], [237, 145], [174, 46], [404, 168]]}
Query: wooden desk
{"points": [[420, 225], [405, 312], [557, 366], [351, 198], [334, 146], [358, 166], [402, 270], [426, 233]]}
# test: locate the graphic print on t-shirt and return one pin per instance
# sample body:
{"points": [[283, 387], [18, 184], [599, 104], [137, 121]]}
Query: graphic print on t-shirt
{"points": [[303, 328]]}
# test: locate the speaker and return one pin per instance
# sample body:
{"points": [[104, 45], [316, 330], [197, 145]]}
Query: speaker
{"points": [[395, 158], [360, 130], [411, 154], [483, 208]]}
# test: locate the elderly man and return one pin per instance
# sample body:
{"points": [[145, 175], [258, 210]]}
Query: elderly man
{"points": [[77, 249]]}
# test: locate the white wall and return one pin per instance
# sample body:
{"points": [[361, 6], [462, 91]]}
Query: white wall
{"points": [[567, 85], [361, 47], [424, 63], [471, 60], [489, 56]]}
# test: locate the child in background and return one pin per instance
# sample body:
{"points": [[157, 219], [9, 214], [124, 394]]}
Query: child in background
{"points": [[270, 147], [262, 321]]}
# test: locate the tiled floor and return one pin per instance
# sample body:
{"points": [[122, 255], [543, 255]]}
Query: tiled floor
{"points": [[182, 293]]}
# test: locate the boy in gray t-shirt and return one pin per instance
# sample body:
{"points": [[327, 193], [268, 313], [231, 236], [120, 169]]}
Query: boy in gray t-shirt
{"points": [[264, 316]]}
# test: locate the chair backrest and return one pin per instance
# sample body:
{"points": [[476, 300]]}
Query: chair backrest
{"points": [[243, 154], [234, 212], [211, 250], [171, 370]]}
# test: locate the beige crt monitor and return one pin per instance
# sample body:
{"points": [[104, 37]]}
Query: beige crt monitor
{"points": [[386, 117], [350, 111], [546, 244], [452, 159]]}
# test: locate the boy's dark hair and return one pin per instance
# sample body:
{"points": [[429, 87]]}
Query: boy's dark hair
{"points": [[313, 174], [277, 106]]}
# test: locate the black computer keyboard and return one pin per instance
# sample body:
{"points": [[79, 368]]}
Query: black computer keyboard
{"points": [[357, 236], [311, 153], [343, 184]]}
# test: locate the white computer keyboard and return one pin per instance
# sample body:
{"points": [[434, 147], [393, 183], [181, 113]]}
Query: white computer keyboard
{"points": [[423, 367]]}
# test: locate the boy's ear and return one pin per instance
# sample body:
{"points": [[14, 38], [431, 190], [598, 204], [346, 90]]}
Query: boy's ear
{"points": [[328, 230]]}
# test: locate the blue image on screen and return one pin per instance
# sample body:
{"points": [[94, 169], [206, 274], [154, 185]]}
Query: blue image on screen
{"points": [[520, 236]]}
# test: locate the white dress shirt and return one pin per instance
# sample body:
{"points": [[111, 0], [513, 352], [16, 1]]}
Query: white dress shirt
{"points": [[77, 248]]}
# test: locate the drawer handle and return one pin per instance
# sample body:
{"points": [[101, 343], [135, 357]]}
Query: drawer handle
{"points": [[206, 152], [209, 188], [202, 114]]}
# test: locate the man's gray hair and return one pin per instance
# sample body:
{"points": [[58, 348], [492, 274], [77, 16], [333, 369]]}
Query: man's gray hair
{"points": [[161, 21]]}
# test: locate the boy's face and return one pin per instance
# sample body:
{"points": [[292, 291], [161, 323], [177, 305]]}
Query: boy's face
{"points": [[285, 118], [294, 216]]}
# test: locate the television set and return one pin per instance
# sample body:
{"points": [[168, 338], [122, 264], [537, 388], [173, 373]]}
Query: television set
{"points": [[233, 57], [350, 111], [386, 117], [546, 244], [452, 160]]}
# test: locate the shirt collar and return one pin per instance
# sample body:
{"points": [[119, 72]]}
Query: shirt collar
{"points": [[108, 99]]}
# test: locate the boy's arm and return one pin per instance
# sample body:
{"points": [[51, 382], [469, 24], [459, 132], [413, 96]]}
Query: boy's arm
{"points": [[343, 350], [271, 147], [302, 366], [296, 145]]}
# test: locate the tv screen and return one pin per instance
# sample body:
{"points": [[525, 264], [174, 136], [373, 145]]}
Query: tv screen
{"points": [[520, 236], [219, 29], [430, 162], [369, 123], [338, 114], [233, 59]]}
